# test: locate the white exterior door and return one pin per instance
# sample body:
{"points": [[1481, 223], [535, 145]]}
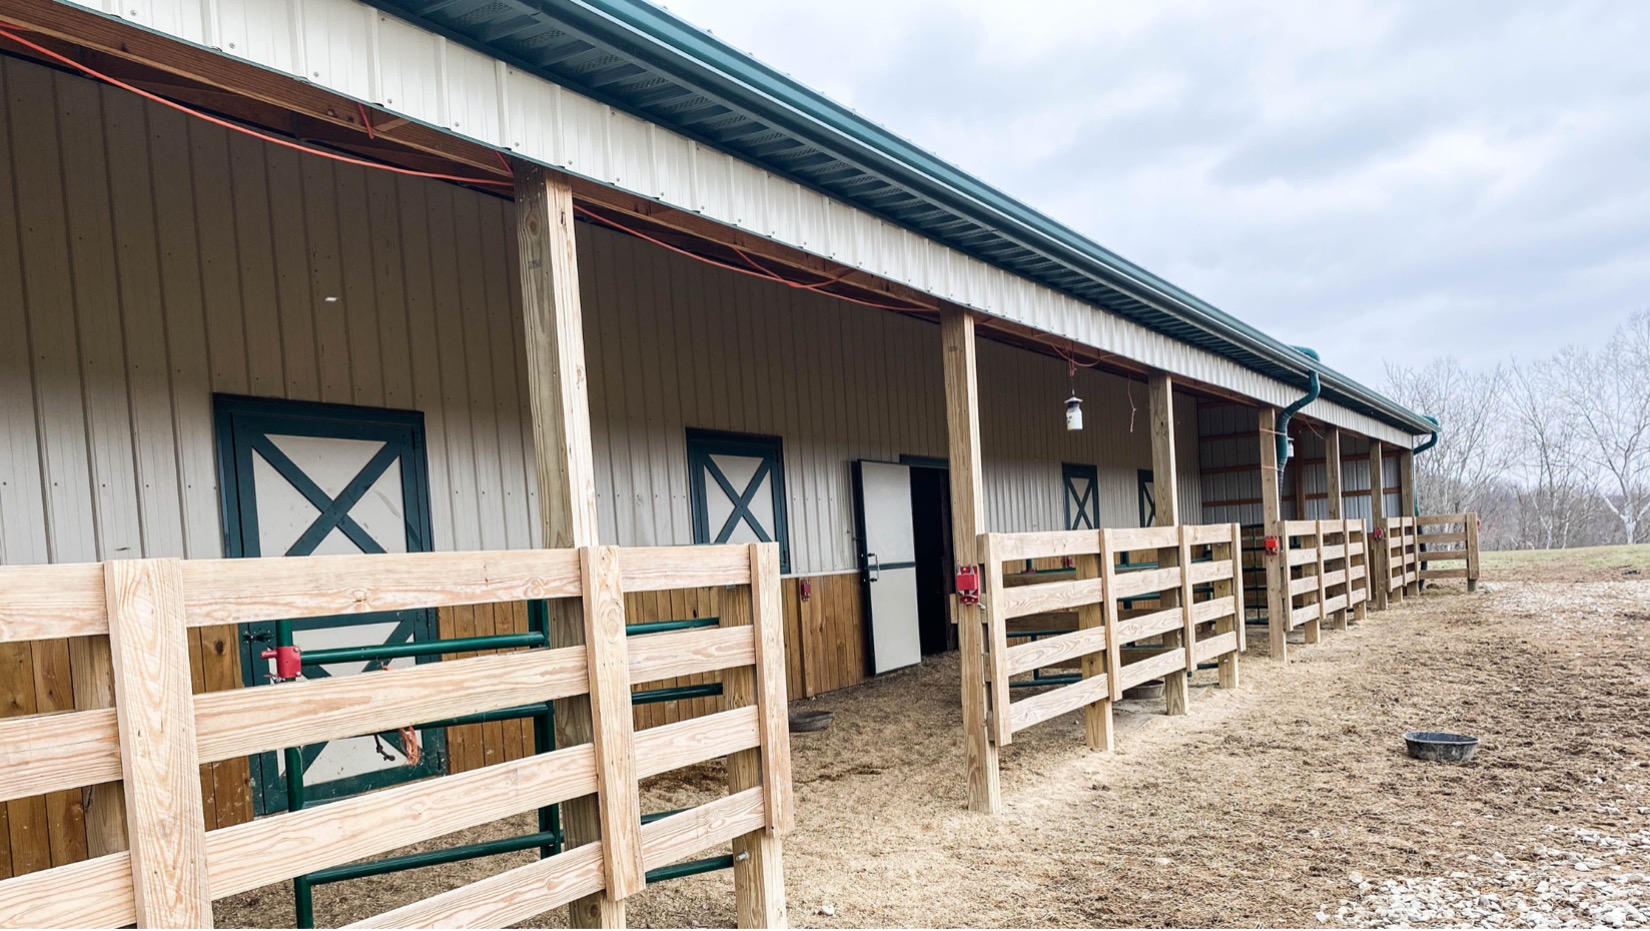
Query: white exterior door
{"points": [[888, 567]]}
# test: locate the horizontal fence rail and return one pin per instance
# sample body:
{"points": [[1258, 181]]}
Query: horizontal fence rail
{"points": [[1403, 564], [1450, 539], [157, 735], [1181, 587], [1328, 573]]}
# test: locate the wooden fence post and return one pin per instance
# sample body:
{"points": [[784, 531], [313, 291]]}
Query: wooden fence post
{"points": [[611, 724], [1097, 715], [1114, 649], [758, 868], [995, 638], [1187, 617], [1232, 588], [160, 764], [1314, 627], [1360, 612], [1472, 551], [1377, 554]]}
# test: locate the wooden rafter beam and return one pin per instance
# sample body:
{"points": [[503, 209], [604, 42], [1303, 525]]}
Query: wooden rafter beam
{"points": [[88, 30]]}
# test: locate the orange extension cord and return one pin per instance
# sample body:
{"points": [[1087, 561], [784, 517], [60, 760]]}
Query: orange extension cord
{"points": [[756, 269]]}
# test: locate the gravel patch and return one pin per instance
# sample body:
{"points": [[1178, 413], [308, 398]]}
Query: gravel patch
{"points": [[1578, 878]]}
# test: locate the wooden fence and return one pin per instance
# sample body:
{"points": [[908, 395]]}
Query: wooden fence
{"points": [[1191, 576], [1328, 573], [157, 735], [1403, 564], [1448, 538]]}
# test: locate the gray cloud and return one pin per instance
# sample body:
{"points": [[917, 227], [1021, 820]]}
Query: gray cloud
{"points": [[1376, 179]]}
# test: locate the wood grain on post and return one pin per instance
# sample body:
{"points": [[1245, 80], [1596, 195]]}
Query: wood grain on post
{"points": [[159, 765], [1278, 601], [994, 613], [558, 397], [1166, 496], [758, 869], [611, 719], [1376, 554], [962, 421], [92, 669], [1232, 588], [1097, 715], [1111, 606]]}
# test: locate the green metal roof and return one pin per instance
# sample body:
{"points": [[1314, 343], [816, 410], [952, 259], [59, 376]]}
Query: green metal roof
{"points": [[640, 58]]}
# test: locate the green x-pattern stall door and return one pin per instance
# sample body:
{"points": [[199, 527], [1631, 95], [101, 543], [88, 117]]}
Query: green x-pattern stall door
{"points": [[1082, 494], [303, 479], [738, 486]]}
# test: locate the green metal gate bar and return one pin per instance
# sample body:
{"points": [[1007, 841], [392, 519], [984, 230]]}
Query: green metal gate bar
{"points": [[548, 839]]}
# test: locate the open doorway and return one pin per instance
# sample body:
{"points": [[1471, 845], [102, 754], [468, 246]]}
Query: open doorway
{"points": [[931, 521], [902, 513]]}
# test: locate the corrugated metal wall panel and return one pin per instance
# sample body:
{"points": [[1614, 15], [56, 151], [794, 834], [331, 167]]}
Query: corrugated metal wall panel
{"points": [[343, 45], [1229, 449], [243, 244]]}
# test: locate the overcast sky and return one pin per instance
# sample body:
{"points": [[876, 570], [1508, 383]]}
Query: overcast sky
{"points": [[1376, 180]]}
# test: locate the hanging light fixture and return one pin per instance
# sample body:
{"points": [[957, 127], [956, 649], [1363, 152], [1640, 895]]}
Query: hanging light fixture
{"points": [[1074, 404]]}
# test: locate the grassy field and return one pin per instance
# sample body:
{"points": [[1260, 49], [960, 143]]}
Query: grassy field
{"points": [[1593, 562]]}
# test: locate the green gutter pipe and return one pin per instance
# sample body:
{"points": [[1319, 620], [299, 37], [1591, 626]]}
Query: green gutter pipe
{"points": [[1313, 389], [1429, 443], [1432, 440]]}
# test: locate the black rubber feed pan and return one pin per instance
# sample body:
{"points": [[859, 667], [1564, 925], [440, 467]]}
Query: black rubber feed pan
{"points": [[1441, 746], [806, 722]]}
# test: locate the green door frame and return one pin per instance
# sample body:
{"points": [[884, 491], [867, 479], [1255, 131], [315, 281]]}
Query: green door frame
{"points": [[243, 425]]}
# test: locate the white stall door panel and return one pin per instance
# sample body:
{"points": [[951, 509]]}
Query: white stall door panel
{"points": [[890, 565]]}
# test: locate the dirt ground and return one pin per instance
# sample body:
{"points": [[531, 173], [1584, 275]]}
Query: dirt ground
{"points": [[1267, 806]]}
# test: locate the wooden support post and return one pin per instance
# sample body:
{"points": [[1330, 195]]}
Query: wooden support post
{"points": [[558, 395], [758, 868], [1406, 508], [1336, 512], [1166, 493], [1376, 552], [1277, 565], [160, 765], [962, 421], [1097, 715]]}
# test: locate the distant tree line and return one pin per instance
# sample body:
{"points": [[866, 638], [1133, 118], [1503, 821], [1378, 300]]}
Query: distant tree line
{"points": [[1551, 453]]}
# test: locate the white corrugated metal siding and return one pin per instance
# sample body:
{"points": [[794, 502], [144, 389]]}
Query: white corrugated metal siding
{"points": [[184, 260], [353, 49], [676, 344]]}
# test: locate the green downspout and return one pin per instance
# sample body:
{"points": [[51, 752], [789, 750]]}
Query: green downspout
{"points": [[1430, 442], [1314, 388]]}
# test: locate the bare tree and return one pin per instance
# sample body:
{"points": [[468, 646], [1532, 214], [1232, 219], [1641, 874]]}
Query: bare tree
{"points": [[1607, 392], [1471, 456], [1555, 498]]}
